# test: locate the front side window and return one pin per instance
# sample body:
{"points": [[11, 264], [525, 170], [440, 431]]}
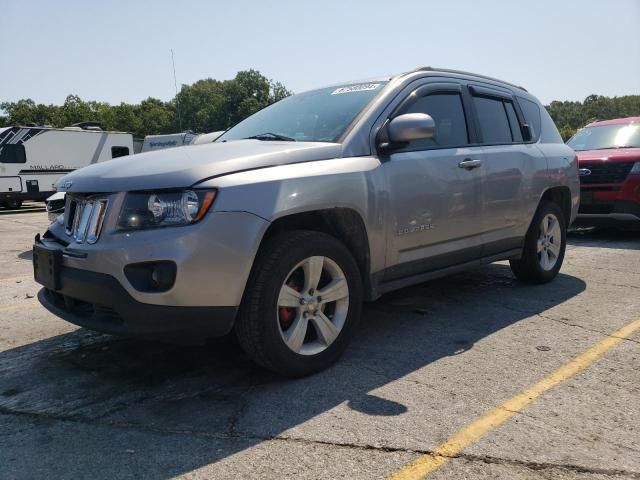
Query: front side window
{"points": [[606, 136], [494, 123], [448, 114], [12, 153], [317, 116]]}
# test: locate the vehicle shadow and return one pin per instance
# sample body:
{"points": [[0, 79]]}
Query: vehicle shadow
{"points": [[99, 396], [605, 238], [26, 255]]}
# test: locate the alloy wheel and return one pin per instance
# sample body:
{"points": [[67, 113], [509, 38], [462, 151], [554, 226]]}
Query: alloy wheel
{"points": [[549, 242], [312, 305]]}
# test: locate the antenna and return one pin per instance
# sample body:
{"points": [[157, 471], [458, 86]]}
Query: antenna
{"points": [[175, 84]]}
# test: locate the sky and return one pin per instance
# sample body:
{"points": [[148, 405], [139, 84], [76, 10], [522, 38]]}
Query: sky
{"points": [[119, 51]]}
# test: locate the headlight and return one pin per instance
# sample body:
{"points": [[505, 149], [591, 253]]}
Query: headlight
{"points": [[635, 170], [164, 208]]}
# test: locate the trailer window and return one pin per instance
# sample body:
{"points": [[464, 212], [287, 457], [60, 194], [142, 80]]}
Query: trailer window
{"points": [[119, 152], [13, 153]]}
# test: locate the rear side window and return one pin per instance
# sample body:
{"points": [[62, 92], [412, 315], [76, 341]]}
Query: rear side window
{"points": [[531, 113], [13, 153], [119, 152], [494, 123], [448, 114]]}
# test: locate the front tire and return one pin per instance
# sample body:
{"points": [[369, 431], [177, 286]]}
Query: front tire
{"points": [[302, 303], [544, 246]]}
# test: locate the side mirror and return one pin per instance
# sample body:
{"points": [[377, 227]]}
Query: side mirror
{"points": [[406, 128], [527, 133]]}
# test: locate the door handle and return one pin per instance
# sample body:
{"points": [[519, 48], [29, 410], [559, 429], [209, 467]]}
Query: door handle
{"points": [[470, 164]]}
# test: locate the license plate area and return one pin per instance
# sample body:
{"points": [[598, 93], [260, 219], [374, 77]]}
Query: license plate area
{"points": [[47, 262]]}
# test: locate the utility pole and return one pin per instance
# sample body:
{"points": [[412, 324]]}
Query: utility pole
{"points": [[175, 84]]}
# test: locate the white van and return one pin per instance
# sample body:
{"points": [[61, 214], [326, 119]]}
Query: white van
{"points": [[33, 159], [169, 140]]}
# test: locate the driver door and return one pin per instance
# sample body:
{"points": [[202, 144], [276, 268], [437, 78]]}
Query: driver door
{"points": [[434, 188]]}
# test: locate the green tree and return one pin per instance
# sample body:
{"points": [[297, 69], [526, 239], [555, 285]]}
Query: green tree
{"points": [[570, 116], [209, 104], [75, 110], [155, 117], [204, 106]]}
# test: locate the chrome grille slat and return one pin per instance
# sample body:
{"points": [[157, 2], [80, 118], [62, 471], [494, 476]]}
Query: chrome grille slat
{"points": [[86, 215]]}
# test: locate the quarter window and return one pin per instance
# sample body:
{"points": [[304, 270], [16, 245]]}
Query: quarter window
{"points": [[448, 114], [494, 123], [531, 113]]}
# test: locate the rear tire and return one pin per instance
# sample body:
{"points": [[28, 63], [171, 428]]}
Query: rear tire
{"points": [[284, 324], [13, 204], [544, 246]]}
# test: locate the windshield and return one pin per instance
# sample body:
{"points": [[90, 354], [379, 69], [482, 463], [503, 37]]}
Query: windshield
{"points": [[606, 136], [316, 116]]}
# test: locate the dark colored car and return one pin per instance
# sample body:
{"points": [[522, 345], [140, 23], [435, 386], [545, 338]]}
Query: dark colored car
{"points": [[609, 160]]}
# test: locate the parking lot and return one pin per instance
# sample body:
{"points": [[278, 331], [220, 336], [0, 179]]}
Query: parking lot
{"points": [[434, 379]]}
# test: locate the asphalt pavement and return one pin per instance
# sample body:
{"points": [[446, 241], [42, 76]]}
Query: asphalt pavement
{"points": [[475, 375]]}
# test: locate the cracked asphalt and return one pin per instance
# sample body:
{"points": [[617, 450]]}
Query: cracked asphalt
{"points": [[428, 360]]}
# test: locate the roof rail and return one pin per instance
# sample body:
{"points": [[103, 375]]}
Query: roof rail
{"points": [[460, 72]]}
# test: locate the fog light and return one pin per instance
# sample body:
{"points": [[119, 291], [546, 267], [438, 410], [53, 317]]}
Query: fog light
{"points": [[151, 277], [163, 276]]}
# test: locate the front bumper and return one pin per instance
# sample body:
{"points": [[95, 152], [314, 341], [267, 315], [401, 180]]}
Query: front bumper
{"points": [[610, 204], [213, 259], [614, 214], [98, 302]]}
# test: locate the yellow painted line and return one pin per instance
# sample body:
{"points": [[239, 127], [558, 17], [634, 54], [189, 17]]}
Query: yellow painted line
{"points": [[20, 306], [426, 464]]}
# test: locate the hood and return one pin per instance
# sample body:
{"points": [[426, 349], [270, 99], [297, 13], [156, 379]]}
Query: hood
{"points": [[609, 155], [183, 167]]}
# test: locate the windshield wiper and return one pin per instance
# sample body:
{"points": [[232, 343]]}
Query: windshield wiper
{"points": [[270, 136]]}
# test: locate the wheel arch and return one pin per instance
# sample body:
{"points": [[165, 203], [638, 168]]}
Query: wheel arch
{"points": [[343, 223], [560, 195]]}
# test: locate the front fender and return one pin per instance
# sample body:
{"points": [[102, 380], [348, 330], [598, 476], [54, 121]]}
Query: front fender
{"points": [[272, 193]]}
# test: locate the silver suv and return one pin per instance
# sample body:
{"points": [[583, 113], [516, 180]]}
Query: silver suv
{"points": [[281, 228]]}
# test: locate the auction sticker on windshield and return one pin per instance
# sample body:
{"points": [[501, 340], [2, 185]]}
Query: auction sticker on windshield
{"points": [[355, 88]]}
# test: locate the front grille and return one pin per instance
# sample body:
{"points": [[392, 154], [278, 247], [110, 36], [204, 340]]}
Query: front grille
{"points": [[605, 172], [84, 217]]}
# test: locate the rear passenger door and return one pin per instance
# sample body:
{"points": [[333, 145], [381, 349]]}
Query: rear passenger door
{"points": [[508, 164], [434, 200]]}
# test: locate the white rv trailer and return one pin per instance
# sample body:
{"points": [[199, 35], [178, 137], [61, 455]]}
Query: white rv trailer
{"points": [[33, 159], [55, 203]]}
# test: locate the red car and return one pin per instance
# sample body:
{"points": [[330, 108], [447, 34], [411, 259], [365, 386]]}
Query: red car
{"points": [[609, 162]]}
